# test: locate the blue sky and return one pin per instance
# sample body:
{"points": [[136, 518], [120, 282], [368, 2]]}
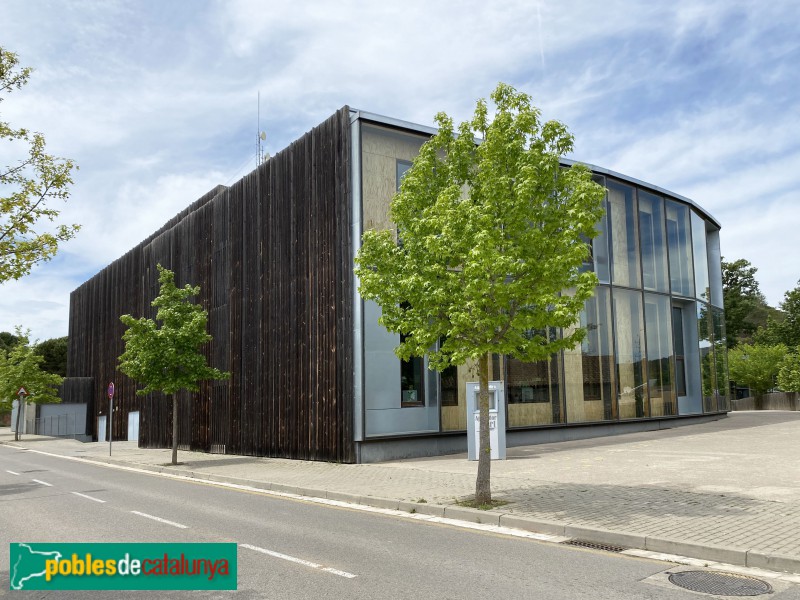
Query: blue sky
{"points": [[157, 103]]}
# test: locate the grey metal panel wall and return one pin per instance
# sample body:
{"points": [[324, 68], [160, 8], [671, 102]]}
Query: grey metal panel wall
{"points": [[272, 255]]}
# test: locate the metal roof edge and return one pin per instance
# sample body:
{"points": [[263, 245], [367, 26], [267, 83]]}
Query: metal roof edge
{"points": [[356, 114]]}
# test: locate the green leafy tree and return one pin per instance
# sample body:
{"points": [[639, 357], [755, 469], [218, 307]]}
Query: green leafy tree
{"points": [[28, 187], [491, 235], [54, 352], [756, 366], [746, 308], [789, 374], [20, 367], [783, 328], [167, 358], [7, 340]]}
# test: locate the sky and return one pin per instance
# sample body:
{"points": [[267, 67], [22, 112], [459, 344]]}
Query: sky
{"points": [[158, 102]]}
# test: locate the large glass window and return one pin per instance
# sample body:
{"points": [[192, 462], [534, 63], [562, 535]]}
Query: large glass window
{"points": [[680, 350], [654, 246], [624, 235], [707, 375], [600, 256], [630, 354], [714, 267], [681, 273], [534, 391], [589, 368], [660, 374], [412, 388], [721, 359], [700, 258]]}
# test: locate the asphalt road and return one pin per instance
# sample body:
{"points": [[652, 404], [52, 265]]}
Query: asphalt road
{"points": [[295, 549]]}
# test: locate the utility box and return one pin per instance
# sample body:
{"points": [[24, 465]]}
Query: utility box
{"points": [[497, 420]]}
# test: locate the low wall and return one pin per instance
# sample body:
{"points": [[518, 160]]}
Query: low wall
{"points": [[773, 401]]}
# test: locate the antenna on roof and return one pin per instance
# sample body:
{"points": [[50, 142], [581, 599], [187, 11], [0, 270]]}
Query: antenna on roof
{"points": [[261, 154]]}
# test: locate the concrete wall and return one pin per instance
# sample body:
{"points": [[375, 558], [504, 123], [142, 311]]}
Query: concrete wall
{"points": [[774, 401], [60, 420]]}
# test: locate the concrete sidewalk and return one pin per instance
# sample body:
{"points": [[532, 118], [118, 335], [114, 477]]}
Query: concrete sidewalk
{"points": [[726, 491]]}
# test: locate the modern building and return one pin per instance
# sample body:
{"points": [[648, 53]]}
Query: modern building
{"points": [[313, 374]]}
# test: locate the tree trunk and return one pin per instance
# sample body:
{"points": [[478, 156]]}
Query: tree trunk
{"points": [[19, 412], [174, 429], [483, 489]]}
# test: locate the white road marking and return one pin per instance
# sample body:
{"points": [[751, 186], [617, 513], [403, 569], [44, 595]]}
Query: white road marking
{"points": [[12, 472], [299, 561], [159, 519], [42, 482], [88, 497], [790, 577]]}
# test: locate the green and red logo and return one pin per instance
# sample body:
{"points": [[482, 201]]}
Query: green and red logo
{"points": [[84, 566]]}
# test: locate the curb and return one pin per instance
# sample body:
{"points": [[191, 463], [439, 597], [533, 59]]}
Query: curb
{"points": [[739, 556]]}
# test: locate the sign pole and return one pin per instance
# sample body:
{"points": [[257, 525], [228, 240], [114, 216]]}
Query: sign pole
{"points": [[110, 415], [20, 406]]}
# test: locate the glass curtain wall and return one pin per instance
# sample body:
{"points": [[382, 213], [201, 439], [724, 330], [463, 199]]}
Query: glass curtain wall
{"points": [[707, 368], [589, 368], [600, 256], [721, 360], [700, 258], [681, 273], [660, 359], [534, 391], [630, 355], [654, 246], [624, 235]]}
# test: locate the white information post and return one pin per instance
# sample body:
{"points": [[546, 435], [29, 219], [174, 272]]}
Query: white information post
{"points": [[497, 420]]}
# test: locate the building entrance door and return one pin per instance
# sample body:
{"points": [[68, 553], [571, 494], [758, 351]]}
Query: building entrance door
{"points": [[101, 429]]}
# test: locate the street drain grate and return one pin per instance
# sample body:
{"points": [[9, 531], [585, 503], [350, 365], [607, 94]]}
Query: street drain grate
{"points": [[720, 584], [594, 545]]}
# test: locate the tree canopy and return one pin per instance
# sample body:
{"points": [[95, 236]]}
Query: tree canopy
{"points": [[746, 308], [490, 236], [166, 358], [20, 367], [28, 186], [756, 366], [54, 355], [789, 374]]}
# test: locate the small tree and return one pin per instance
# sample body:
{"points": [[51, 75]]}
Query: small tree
{"points": [[20, 367], [756, 366], [31, 183], [167, 359], [789, 374], [491, 235]]}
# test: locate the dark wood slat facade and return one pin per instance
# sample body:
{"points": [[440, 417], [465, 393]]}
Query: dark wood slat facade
{"points": [[272, 255]]}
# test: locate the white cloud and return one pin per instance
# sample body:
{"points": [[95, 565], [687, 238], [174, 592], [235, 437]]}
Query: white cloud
{"points": [[157, 102]]}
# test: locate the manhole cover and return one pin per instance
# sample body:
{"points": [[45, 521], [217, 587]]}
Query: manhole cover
{"points": [[721, 584]]}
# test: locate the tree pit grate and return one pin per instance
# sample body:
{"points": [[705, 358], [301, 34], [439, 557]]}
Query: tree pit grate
{"points": [[720, 584], [593, 545]]}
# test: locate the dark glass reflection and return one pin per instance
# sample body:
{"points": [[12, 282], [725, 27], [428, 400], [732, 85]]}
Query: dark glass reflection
{"points": [[411, 381]]}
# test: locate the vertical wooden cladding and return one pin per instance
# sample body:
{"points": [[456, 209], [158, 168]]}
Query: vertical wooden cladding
{"points": [[272, 256]]}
